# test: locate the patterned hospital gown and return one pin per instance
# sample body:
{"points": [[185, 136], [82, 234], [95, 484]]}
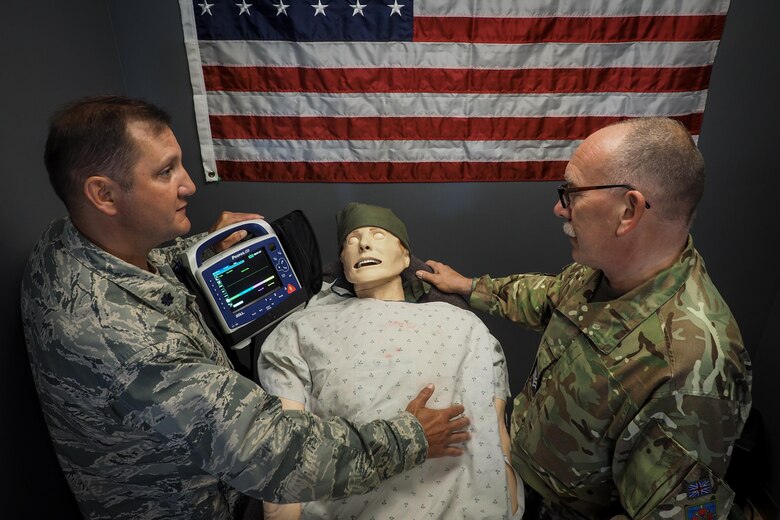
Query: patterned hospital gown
{"points": [[363, 359]]}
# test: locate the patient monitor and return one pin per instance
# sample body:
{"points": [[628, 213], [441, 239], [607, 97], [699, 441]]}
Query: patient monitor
{"points": [[249, 286]]}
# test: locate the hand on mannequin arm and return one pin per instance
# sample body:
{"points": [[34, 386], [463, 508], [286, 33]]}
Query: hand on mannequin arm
{"points": [[445, 278]]}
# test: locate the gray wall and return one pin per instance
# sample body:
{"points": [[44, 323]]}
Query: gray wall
{"points": [[135, 48], [49, 56]]}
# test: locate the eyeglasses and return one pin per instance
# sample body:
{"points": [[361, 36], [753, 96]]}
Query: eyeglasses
{"points": [[564, 191]]}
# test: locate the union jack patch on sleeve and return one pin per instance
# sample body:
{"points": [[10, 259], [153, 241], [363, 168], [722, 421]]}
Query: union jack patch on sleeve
{"points": [[699, 488]]}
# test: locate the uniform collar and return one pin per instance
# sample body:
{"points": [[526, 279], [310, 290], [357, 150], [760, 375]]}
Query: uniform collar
{"points": [[160, 290], [607, 323]]}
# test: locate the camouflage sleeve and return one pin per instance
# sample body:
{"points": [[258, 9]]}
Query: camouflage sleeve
{"points": [[670, 461], [231, 428], [168, 254], [522, 298]]}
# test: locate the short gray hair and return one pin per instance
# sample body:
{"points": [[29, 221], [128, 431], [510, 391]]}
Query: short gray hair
{"points": [[659, 157]]}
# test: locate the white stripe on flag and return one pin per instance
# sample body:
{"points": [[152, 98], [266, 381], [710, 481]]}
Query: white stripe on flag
{"points": [[465, 105], [391, 151], [456, 55]]}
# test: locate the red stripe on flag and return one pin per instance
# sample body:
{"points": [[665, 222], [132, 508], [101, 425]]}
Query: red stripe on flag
{"points": [[417, 128], [456, 81], [406, 128], [391, 172], [590, 29]]}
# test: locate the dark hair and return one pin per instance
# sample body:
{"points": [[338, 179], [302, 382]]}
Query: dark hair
{"points": [[659, 157], [90, 137]]}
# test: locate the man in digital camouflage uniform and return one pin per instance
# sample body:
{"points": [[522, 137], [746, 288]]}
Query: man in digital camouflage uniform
{"points": [[641, 382], [147, 416]]}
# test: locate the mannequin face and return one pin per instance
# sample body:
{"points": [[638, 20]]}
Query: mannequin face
{"points": [[372, 257]]}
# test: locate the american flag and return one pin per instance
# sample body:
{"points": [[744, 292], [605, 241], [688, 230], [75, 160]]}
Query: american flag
{"points": [[435, 90]]}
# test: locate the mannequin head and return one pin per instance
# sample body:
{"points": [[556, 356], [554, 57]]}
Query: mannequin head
{"points": [[374, 250]]}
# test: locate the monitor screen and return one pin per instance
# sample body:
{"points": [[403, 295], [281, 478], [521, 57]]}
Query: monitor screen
{"points": [[247, 279]]}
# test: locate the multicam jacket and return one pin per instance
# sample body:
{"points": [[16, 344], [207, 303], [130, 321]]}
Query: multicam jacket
{"points": [[147, 416], [633, 405]]}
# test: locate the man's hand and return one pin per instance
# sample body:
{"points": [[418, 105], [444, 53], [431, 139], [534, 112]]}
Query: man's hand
{"points": [[227, 218], [445, 278], [442, 428]]}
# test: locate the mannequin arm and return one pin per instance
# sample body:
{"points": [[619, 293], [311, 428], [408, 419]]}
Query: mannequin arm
{"points": [[511, 477]]}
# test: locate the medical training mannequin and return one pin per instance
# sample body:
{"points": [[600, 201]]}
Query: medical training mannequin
{"points": [[359, 356]]}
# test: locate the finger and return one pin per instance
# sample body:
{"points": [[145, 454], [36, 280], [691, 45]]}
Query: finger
{"points": [[238, 217], [227, 218], [459, 424], [423, 275], [459, 437], [454, 410], [452, 451], [234, 238], [422, 397], [433, 264]]}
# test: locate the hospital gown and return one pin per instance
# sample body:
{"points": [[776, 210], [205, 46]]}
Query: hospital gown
{"points": [[364, 359]]}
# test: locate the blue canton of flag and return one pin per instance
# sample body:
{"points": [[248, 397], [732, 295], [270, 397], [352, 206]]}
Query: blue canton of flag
{"points": [[306, 21], [699, 488]]}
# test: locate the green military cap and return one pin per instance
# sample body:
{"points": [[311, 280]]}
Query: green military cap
{"points": [[357, 215]]}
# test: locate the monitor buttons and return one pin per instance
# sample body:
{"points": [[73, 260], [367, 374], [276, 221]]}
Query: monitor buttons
{"points": [[282, 266]]}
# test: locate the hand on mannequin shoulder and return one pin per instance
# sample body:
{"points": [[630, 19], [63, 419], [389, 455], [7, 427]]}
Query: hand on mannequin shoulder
{"points": [[445, 278]]}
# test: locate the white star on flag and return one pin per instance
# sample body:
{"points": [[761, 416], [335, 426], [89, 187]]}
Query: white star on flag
{"points": [[357, 8], [206, 8], [244, 8], [281, 8], [319, 8], [395, 8]]}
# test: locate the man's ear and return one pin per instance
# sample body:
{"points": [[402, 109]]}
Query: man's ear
{"points": [[633, 211], [407, 257], [100, 192]]}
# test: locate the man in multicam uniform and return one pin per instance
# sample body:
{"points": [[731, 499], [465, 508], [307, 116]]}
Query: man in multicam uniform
{"points": [[147, 416], [641, 382]]}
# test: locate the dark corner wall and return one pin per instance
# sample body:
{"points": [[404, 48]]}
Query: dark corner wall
{"points": [[53, 52]]}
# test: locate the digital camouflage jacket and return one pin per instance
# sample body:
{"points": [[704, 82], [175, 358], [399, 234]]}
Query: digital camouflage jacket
{"points": [[633, 405], [147, 416]]}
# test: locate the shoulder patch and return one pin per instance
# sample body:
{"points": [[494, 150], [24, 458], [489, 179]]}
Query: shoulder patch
{"points": [[705, 511], [699, 488]]}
